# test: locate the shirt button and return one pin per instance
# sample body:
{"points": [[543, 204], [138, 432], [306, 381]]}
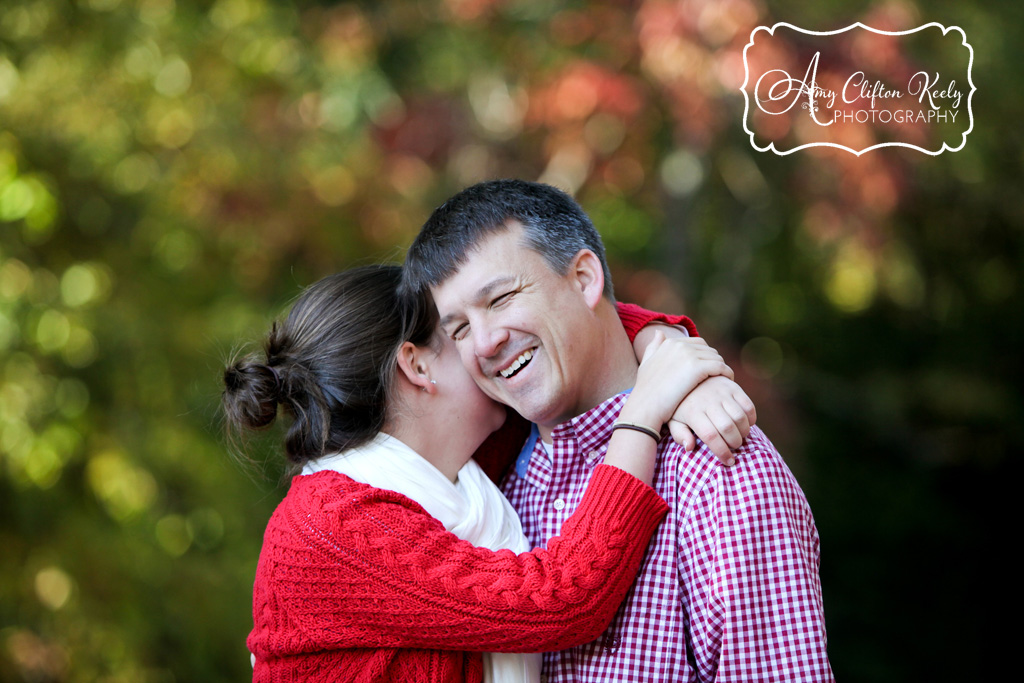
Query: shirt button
{"points": [[591, 457], [559, 504]]}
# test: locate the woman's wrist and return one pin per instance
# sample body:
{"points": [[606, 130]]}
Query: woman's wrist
{"points": [[635, 427], [636, 412], [632, 452]]}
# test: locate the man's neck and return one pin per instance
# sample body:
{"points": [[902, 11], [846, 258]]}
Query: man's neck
{"points": [[614, 364]]}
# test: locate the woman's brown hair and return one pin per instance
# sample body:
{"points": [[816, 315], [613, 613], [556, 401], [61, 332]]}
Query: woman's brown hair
{"points": [[330, 364]]}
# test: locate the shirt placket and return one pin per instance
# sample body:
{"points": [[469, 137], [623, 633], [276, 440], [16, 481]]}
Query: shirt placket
{"points": [[558, 504]]}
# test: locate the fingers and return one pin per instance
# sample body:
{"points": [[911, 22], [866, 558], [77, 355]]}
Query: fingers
{"points": [[682, 435], [656, 341], [708, 433], [725, 426], [714, 367], [728, 372], [745, 404], [732, 422]]}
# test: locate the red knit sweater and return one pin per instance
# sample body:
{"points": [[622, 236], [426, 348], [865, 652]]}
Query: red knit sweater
{"points": [[360, 584], [356, 583]]}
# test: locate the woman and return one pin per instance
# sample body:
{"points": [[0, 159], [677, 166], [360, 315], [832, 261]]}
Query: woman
{"points": [[393, 557]]}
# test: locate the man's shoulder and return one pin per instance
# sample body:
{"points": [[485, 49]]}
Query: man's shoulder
{"points": [[759, 463], [759, 472]]}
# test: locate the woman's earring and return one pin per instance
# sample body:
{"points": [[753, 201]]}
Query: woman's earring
{"points": [[433, 381]]}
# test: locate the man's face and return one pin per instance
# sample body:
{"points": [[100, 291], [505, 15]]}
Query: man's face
{"points": [[516, 324]]}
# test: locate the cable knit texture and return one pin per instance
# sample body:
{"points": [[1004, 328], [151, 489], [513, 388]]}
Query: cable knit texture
{"points": [[356, 583]]}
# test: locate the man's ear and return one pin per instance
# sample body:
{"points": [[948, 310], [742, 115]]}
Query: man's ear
{"points": [[414, 366], [586, 268]]}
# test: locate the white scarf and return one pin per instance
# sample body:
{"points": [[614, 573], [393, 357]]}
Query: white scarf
{"points": [[472, 508]]}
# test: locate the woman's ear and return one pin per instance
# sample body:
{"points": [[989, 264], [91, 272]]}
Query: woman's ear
{"points": [[414, 366]]}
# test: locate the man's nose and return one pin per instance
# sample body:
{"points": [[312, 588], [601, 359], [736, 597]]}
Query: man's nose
{"points": [[488, 339]]}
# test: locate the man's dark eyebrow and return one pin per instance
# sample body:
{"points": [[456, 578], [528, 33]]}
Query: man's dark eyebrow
{"points": [[445, 321], [482, 293]]}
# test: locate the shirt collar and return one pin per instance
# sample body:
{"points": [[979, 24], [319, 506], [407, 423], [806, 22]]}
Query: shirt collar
{"points": [[592, 429]]}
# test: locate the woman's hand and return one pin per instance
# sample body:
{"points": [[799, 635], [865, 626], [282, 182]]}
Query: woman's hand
{"points": [[719, 413], [669, 371], [715, 410]]}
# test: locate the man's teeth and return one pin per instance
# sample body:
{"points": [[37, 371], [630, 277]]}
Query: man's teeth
{"points": [[516, 364]]}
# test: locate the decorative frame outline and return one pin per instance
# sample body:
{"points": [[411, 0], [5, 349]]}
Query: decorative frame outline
{"points": [[771, 145]]}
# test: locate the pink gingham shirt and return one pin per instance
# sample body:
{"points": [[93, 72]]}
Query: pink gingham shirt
{"points": [[728, 589]]}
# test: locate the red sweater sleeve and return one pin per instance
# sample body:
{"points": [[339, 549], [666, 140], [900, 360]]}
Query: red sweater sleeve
{"points": [[345, 565], [634, 318], [500, 449]]}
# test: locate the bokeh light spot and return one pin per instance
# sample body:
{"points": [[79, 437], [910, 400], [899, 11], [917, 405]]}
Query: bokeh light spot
{"points": [[45, 288], [134, 173], [52, 331], [124, 489], [681, 173], [334, 185], [84, 283], [53, 587], [143, 60], [173, 535], [851, 283], [35, 659], [206, 527], [81, 348], [497, 107], [8, 78], [177, 250], [175, 129], [174, 78], [228, 14], [44, 466], [902, 278], [15, 279], [16, 200], [604, 132], [156, 12], [762, 357], [568, 168]]}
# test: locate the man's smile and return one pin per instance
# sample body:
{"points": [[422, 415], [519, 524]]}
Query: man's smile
{"points": [[517, 364]]}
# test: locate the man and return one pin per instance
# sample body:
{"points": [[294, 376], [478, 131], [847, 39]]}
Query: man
{"points": [[729, 589]]}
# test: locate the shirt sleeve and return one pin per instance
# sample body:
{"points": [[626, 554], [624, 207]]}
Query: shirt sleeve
{"points": [[748, 559], [373, 570], [634, 318]]}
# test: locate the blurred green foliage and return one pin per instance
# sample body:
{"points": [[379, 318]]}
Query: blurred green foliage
{"points": [[173, 171]]}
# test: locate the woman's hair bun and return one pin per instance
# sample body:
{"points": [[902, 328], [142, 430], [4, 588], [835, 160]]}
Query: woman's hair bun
{"points": [[330, 365], [251, 393]]}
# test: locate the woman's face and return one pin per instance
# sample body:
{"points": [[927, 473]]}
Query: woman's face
{"points": [[469, 410]]}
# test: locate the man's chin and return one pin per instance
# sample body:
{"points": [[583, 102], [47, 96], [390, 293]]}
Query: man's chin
{"points": [[532, 411], [527, 401]]}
